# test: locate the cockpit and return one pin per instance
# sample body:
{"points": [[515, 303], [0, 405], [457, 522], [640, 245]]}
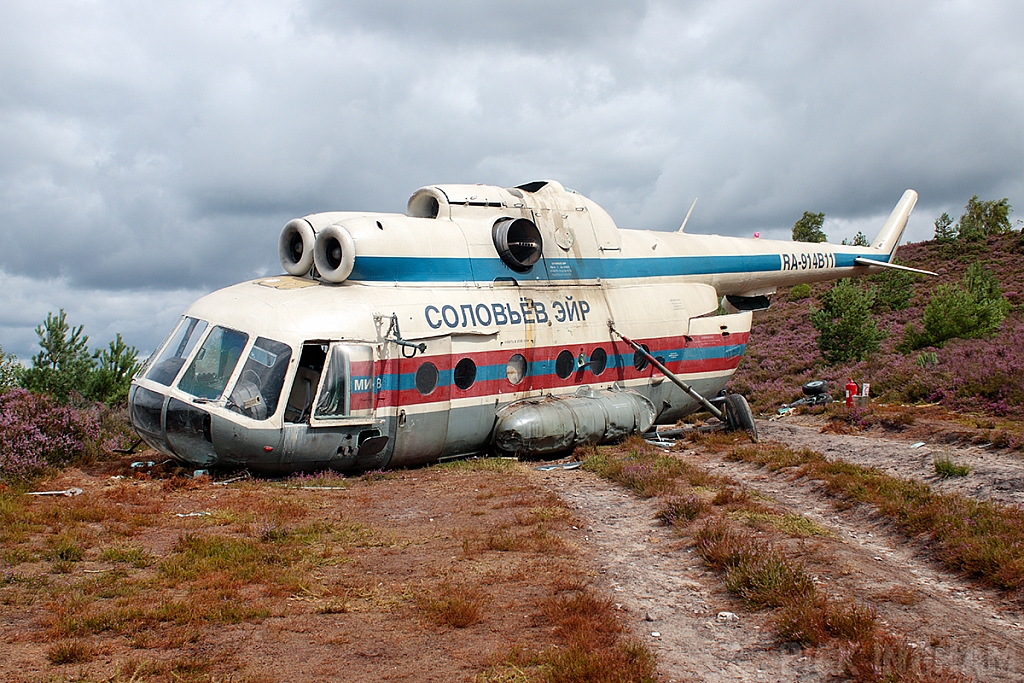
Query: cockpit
{"points": [[212, 394]]}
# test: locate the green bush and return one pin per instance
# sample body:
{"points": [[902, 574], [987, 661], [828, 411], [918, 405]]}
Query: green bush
{"points": [[113, 374], [970, 310], [801, 291], [846, 329], [64, 365], [895, 289], [945, 231]]}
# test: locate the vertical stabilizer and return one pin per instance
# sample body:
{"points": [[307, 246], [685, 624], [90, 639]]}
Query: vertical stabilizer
{"points": [[890, 234]]}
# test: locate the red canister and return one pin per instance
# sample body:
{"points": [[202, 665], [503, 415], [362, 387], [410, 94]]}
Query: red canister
{"points": [[851, 391]]}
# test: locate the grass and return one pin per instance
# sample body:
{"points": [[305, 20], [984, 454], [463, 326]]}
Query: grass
{"points": [[132, 555], [645, 470], [788, 523], [69, 652], [452, 605], [946, 468], [501, 465], [66, 547], [594, 649], [681, 509], [240, 559], [149, 591]]}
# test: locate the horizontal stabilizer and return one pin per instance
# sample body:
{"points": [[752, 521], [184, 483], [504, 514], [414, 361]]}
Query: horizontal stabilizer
{"points": [[862, 261]]}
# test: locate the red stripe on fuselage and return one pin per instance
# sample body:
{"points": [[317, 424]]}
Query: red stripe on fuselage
{"points": [[497, 387]]}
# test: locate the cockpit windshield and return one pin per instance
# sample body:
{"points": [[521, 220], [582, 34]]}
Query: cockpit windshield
{"points": [[174, 353], [210, 370], [258, 389]]}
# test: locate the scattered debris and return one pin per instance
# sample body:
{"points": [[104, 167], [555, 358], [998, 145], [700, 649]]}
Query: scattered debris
{"points": [[918, 444], [727, 616], [130, 449], [560, 466], [73, 491], [138, 465], [241, 477], [815, 394], [193, 514]]}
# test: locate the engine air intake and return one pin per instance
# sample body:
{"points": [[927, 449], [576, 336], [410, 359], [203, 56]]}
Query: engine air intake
{"points": [[334, 253], [295, 247], [518, 243]]}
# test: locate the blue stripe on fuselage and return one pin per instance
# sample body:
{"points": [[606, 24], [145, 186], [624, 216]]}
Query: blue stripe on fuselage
{"points": [[540, 369], [438, 269]]}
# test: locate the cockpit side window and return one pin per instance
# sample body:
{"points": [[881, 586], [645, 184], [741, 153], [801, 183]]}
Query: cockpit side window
{"points": [[210, 370], [176, 350], [334, 395], [258, 389]]}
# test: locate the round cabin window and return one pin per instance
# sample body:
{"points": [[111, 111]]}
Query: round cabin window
{"points": [[565, 364], [598, 360], [426, 378], [515, 371], [465, 373], [639, 359]]}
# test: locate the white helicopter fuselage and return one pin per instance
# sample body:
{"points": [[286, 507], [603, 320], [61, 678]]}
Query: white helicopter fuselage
{"points": [[479, 321]]}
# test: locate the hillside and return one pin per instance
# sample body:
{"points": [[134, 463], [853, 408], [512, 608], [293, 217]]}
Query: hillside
{"points": [[978, 375]]}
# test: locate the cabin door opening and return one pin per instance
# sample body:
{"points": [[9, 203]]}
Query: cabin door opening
{"points": [[306, 382], [330, 407]]}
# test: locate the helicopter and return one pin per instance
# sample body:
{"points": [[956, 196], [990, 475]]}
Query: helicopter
{"points": [[514, 321]]}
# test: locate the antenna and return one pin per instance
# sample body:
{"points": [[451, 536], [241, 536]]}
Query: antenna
{"points": [[683, 226]]}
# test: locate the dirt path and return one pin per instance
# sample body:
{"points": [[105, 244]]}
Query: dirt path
{"points": [[954, 622], [996, 475], [666, 589]]}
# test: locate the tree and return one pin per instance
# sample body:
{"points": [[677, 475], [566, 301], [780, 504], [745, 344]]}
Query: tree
{"points": [[945, 231], [846, 329], [859, 240], [64, 364], [970, 310], [981, 219], [10, 370], [808, 228], [895, 289], [112, 377]]}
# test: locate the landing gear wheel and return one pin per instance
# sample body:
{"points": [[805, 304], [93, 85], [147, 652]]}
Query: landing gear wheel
{"points": [[815, 387], [739, 417]]}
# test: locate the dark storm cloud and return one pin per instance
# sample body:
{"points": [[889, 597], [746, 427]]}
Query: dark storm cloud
{"points": [[149, 153]]}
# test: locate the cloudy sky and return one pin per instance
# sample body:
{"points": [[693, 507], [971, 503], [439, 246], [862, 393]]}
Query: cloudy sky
{"points": [[151, 152]]}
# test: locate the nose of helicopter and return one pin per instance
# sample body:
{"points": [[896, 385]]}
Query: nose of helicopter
{"points": [[173, 427]]}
